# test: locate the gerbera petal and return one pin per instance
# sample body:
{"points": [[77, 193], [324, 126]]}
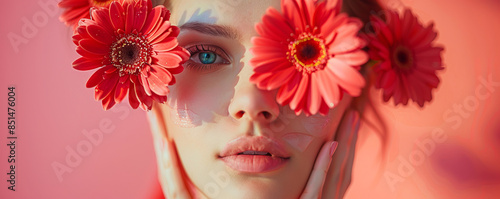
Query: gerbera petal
{"points": [[105, 87], [72, 3], [101, 17], [97, 77], [356, 58], [287, 91], [388, 79], [108, 102], [152, 19], [299, 94], [263, 30], [84, 63], [159, 98], [181, 52], [158, 32], [132, 96], [145, 99], [261, 79], [382, 28], [314, 97], [167, 44], [281, 77], [322, 14], [395, 25], [72, 16], [116, 15], [423, 37], [76, 38], [276, 22], [140, 16], [346, 45], [308, 8], [407, 23], [171, 32], [263, 41], [157, 85], [328, 30], [168, 60], [270, 58], [271, 67], [99, 34], [144, 82], [122, 88], [94, 47], [129, 18], [290, 11], [351, 79], [163, 74], [429, 52], [328, 89]]}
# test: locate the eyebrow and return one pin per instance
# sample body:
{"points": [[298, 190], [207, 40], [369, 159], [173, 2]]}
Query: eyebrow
{"points": [[213, 29]]}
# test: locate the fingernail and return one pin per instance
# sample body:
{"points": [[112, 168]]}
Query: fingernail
{"points": [[333, 147]]}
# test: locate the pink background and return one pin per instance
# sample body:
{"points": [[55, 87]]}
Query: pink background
{"points": [[54, 108]]}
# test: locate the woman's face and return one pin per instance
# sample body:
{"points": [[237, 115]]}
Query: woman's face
{"points": [[214, 113]]}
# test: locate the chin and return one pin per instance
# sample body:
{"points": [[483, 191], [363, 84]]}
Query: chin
{"points": [[260, 191], [256, 186]]}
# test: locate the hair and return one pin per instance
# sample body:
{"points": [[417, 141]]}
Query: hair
{"points": [[364, 104]]}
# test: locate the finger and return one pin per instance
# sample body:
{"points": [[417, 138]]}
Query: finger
{"points": [[169, 171], [344, 136], [317, 178], [347, 138], [347, 175]]}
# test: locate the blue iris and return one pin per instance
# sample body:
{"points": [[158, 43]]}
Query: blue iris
{"points": [[207, 57]]}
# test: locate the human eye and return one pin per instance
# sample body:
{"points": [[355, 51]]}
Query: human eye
{"points": [[206, 58]]}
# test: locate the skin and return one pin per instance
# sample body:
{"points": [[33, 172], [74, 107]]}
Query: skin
{"points": [[225, 106]]}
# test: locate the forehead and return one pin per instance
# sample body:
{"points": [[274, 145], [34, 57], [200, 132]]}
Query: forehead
{"points": [[240, 14]]}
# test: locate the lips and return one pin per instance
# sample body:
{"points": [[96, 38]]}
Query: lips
{"points": [[254, 155]]}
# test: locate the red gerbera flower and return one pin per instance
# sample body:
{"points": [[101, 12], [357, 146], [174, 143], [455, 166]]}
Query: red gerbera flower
{"points": [[311, 53], [407, 58], [135, 48], [79, 9]]}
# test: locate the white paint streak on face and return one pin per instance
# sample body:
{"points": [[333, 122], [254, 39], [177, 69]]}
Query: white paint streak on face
{"points": [[183, 117], [299, 141], [202, 17], [315, 123]]}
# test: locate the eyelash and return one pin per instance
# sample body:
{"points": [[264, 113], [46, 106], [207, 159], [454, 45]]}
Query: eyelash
{"points": [[199, 48]]}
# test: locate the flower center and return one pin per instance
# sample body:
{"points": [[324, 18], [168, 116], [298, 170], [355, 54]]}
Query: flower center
{"points": [[101, 3], [130, 53], [403, 57], [307, 53]]}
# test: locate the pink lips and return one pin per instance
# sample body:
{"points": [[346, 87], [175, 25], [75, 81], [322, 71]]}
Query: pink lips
{"points": [[254, 155]]}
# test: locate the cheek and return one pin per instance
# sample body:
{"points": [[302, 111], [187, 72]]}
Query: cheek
{"points": [[300, 132], [197, 98], [299, 141], [316, 123]]}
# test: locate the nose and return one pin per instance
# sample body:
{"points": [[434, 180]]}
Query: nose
{"points": [[251, 103]]}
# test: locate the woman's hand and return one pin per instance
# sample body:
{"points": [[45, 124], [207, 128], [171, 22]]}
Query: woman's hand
{"points": [[331, 177], [170, 174]]}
